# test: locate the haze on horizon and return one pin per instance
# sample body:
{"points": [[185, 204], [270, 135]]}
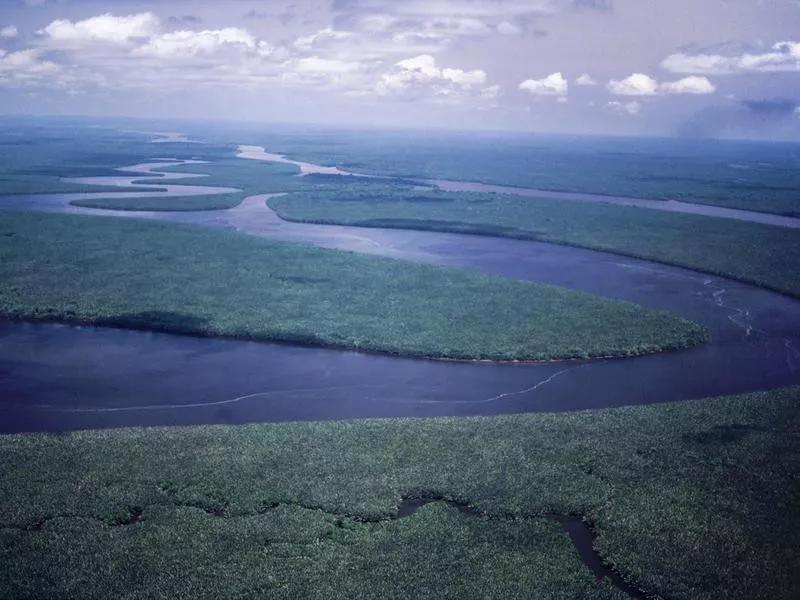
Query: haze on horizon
{"points": [[715, 68]]}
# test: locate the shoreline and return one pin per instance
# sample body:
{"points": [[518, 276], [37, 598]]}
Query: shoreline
{"points": [[149, 328]]}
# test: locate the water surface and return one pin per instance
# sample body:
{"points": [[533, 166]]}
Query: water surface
{"points": [[59, 377]]}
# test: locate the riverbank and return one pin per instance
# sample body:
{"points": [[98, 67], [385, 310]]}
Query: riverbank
{"points": [[182, 279], [751, 252]]}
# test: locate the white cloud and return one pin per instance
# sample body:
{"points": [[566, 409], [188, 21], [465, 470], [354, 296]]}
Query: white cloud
{"points": [[315, 64], [142, 52], [421, 78], [135, 51], [9, 31], [689, 85], [637, 84], [493, 92], [630, 108], [25, 67], [352, 78], [783, 56], [709, 64], [322, 39], [104, 28], [377, 23], [193, 43], [411, 41], [640, 84], [377, 36], [553, 85], [465, 78], [585, 79], [423, 69], [424, 65], [25, 59], [373, 35]]}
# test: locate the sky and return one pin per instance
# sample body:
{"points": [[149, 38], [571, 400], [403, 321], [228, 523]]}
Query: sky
{"points": [[708, 68]]}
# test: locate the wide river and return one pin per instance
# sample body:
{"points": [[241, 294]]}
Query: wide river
{"points": [[60, 377]]}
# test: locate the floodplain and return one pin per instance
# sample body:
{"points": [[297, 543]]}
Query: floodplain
{"points": [[687, 498]]}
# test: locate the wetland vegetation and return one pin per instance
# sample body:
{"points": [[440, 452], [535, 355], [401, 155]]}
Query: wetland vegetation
{"points": [[697, 500], [185, 279], [749, 175], [37, 155], [251, 179], [762, 254]]}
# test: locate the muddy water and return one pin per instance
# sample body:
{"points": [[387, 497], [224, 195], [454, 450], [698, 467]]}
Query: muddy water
{"points": [[57, 377]]}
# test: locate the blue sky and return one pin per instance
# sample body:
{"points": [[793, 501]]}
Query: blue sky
{"points": [[659, 67]]}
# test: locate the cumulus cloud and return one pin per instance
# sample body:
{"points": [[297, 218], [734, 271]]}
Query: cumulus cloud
{"points": [[585, 79], [104, 28], [640, 84], [9, 31], [376, 36], [185, 43], [423, 69], [493, 92], [325, 73], [637, 84], [420, 78], [315, 64], [783, 56], [629, 108], [689, 85], [553, 85], [324, 39], [431, 26], [144, 51], [25, 67]]}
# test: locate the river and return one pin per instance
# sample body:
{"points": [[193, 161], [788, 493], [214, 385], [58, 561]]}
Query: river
{"points": [[59, 377]]}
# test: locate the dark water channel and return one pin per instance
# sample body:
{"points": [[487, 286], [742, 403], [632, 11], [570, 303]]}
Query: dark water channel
{"points": [[57, 377], [579, 532]]}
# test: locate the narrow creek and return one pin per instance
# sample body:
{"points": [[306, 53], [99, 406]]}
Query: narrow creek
{"points": [[577, 529], [579, 532]]}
